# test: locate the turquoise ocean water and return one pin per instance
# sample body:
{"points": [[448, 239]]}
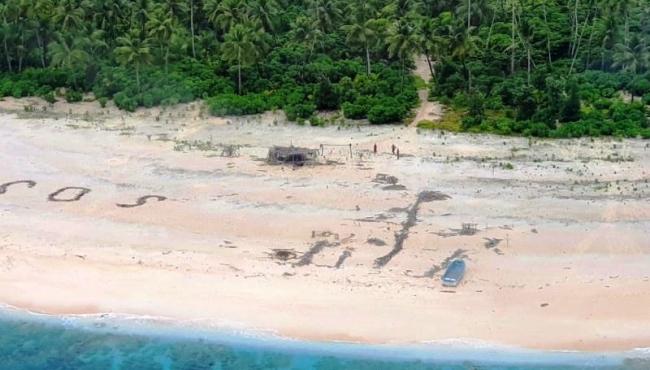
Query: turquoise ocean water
{"points": [[30, 342]]}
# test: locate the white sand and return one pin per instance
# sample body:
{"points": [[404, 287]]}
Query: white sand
{"points": [[571, 271]]}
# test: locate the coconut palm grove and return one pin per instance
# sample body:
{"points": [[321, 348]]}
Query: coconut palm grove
{"points": [[547, 68]]}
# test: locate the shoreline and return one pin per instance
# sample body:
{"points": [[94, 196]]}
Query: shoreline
{"points": [[450, 350]]}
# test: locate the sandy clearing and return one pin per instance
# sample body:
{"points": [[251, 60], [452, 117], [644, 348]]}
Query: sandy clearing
{"points": [[571, 223]]}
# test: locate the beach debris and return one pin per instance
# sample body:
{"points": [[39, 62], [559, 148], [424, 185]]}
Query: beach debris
{"points": [[376, 241], [382, 178], [324, 234], [411, 220], [284, 254], [544, 305], [292, 155], [491, 243], [468, 229], [142, 200], [391, 182], [81, 192], [230, 151], [3, 187]]}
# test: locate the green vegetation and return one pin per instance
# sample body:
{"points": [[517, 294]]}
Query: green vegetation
{"points": [[242, 56], [543, 68], [552, 68]]}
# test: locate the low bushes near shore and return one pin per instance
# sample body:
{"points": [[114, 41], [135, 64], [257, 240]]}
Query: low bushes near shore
{"points": [[591, 103]]}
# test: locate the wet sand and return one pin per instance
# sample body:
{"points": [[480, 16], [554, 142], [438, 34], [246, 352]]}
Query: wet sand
{"points": [[558, 261]]}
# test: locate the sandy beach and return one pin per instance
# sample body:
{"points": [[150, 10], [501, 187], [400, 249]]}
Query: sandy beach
{"points": [[351, 249]]}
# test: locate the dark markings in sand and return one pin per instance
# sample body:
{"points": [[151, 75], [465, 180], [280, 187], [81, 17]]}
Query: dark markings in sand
{"points": [[142, 200], [3, 187], [492, 243], [306, 259], [394, 187], [382, 178], [458, 254], [376, 241], [283, 254], [411, 220], [345, 255], [81, 192]]}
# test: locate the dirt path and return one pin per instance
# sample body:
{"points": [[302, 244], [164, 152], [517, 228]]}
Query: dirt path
{"points": [[428, 110]]}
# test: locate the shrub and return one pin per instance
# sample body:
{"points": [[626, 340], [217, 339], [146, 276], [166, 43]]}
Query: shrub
{"points": [[237, 105], [386, 110], [73, 96], [299, 111], [125, 102], [646, 99], [49, 97], [102, 101], [356, 110]]}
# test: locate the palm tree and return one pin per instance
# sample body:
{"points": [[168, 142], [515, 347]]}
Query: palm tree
{"points": [[362, 28], [609, 34], [175, 8], [6, 30], [464, 46], [68, 15], [239, 47], [264, 10], [325, 13], [141, 14], [474, 10], [135, 51], [68, 50], [305, 31], [402, 43], [224, 13], [160, 29], [192, 27], [435, 43], [633, 57]]}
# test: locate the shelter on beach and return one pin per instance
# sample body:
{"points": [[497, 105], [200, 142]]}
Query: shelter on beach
{"points": [[292, 155]]}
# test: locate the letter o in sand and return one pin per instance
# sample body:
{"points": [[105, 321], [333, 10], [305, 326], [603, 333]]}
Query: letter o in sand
{"points": [[80, 193]]}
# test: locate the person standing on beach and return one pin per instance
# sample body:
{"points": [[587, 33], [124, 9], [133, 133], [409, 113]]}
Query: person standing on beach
{"points": [[397, 153], [392, 148], [374, 149]]}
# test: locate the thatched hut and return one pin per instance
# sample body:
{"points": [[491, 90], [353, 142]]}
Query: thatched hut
{"points": [[292, 155]]}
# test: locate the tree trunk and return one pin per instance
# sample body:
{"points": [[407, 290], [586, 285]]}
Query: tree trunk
{"points": [[137, 75], [489, 36], [469, 15], [591, 39], [512, 44], [368, 58], [529, 60], [39, 41], [167, 60], [401, 86], [577, 47], [192, 27], [574, 41], [548, 39], [627, 27], [433, 73], [239, 71]]}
